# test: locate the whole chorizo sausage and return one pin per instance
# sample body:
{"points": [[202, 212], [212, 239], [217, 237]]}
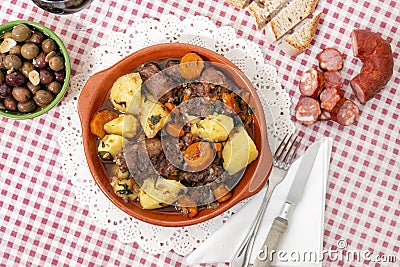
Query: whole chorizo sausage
{"points": [[330, 59], [307, 110], [377, 58], [329, 97], [311, 83]]}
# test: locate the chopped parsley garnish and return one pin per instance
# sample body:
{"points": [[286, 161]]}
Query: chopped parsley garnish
{"points": [[125, 191], [154, 119]]}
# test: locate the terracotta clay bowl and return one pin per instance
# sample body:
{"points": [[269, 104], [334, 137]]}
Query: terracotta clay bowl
{"points": [[95, 93]]}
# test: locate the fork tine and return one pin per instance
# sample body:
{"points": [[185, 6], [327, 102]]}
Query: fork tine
{"points": [[282, 147], [293, 153], [286, 151]]}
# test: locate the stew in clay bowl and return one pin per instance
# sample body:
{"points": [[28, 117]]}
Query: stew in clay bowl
{"points": [[174, 134]]}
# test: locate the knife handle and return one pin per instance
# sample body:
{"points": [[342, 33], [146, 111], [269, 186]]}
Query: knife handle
{"points": [[277, 230]]}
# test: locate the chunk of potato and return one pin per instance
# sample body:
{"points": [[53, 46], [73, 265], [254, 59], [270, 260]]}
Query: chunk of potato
{"points": [[153, 116], [109, 146], [239, 151], [118, 173], [125, 188], [126, 94], [125, 125], [159, 193], [214, 128]]}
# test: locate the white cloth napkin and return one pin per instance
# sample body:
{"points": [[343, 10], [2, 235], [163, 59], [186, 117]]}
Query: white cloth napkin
{"points": [[305, 231]]}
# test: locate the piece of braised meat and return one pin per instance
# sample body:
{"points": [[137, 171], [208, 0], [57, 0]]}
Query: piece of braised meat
{"points": [[212, 77], [159, 85], [171, 69]]}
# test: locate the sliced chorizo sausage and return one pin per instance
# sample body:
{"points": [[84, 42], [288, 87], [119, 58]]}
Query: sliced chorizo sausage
{"points": [[325, 115], [330, 59], [333, 79], [311, 83], [346, 113], [329, 97], [308, 110]]}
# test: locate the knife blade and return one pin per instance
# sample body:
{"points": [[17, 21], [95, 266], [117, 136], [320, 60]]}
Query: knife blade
{"points": [[280, 223]]}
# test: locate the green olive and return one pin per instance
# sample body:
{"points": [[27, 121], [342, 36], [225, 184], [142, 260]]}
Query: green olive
{"points": [[12, 61], [56, 63], [29, 50], [21, 33], [49, 45]]}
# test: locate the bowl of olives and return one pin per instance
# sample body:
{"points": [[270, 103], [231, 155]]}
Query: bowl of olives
{"points": [[34, 69]]}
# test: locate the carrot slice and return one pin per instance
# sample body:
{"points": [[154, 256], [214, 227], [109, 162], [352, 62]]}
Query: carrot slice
{"points": [[191, 66], [187, 206], [222, 193], [199, 155], [169, 106], [218, 148], [99, 119], [230, 101]]}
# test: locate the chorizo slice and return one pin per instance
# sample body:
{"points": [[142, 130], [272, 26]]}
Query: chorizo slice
{"points": [[377, 58], [308, 110], [325, 115], [333, 79], [346, 113], [311, 83], [329, 98], [330, 59]]}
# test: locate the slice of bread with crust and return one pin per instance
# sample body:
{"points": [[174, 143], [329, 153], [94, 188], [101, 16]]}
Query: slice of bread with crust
{"points": [[288, 17], [238, 3], [264, 11], [301, 39]]}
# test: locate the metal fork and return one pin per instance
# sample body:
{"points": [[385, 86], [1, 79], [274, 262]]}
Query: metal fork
{"points": [[282, 160]]}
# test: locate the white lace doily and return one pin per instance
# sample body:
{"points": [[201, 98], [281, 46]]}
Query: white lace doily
{"points": [[196, 30]]}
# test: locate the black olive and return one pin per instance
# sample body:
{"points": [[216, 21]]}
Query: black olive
{"points": [[40, 60], [15, 79], [5, 91], [36, 37], [59, 76], [46, 76]]}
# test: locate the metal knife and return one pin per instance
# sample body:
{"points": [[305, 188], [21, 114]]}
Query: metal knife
{"points": [[280, 223]]}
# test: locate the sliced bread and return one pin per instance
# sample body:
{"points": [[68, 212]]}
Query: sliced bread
{"points": [[264, 11], [300, 40], [288, 17], [238, 3]]}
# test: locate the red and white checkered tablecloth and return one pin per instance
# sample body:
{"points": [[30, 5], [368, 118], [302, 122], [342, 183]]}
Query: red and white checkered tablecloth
{"points": [[43, 225]]}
